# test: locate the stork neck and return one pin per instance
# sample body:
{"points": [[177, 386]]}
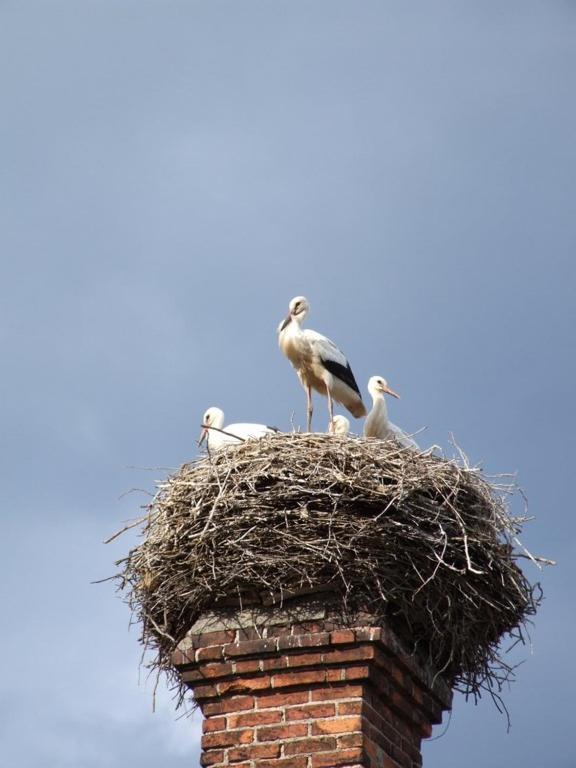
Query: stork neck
{"points": [[294, 327], [379, 407], [219, 421]]}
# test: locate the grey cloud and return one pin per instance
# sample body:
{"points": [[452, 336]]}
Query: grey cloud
{"points": [[172, 174]]}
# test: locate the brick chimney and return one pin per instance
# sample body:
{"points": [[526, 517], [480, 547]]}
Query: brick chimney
{"points": [[308, 690]]}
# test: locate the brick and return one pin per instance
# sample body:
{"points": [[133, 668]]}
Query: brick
{"points": [[433, 709], [337, 692], [342, 636], [312, 641], [266, 700], [337, 725], [386, 663], [276, 662], [299, 678], [417, 693], [191, 675], [342, 655], [242, 667], [231, 704], [276, 630], [275, 732], [426, 730], [304, 641], [400, 757], [262, 717], [357, 673], [227, 738], [244, 685], [375, 736], [203, 691], [377, 757], [183, 656], [210, 724], [307, 746], [411, 750], [310, 710], [304, 660], [402, 679], [349, 708], [309, 627], [213, 638], [383, 721], [211, 653], [216, 670], [350, 740], [286, 762], [333, 759], [368, 634], [253, 752], [212, 757], [400, 703], [251, 647]]}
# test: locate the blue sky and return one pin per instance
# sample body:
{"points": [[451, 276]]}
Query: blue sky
{"points": [[172, 174]]}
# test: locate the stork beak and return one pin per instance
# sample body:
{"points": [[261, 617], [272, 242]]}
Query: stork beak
{"points": [[284, 323], [391, 392], [203, 436]]}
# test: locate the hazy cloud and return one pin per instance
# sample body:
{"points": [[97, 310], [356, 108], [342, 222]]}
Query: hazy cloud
{"points": [[172, 174]]}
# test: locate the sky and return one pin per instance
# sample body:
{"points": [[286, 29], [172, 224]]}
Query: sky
{"points": [[172, 174]]}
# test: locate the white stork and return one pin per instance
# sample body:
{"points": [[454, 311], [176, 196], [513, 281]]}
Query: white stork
{"points": [[319, 363], [340, 425], [377, 423], [219, 436]]}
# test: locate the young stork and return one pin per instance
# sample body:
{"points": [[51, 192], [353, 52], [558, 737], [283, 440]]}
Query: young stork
{"points": [[319, 363], [218, 436], [377, 423], [340, 425]]}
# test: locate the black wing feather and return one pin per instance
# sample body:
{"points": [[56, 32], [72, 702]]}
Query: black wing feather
{"points": [[342, 372]]}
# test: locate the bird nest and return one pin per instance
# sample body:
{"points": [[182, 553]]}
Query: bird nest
{"points": [[423, 543]]}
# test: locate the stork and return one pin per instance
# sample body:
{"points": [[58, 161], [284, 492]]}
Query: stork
{"points": [[340, 425], [218, 436], [377, 423], [319, 363]]}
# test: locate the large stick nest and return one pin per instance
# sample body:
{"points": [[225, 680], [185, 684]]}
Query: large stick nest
{"points": [[421, 542]]}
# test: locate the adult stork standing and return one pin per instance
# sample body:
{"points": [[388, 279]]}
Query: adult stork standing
{"points": [[377, 423], [319, 363], [218, 436]]}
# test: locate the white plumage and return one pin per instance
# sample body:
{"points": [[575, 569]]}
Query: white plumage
{"points": [[319, 363], [218, 436], [377, 423], [340, 425]]}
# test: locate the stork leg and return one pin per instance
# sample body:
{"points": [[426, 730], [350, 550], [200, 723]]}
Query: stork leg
{"points": [[330, 410], [310, 407]]}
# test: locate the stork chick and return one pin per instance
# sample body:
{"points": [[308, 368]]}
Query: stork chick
{"points": [[218, 436], [340, 425], [377, 423]]}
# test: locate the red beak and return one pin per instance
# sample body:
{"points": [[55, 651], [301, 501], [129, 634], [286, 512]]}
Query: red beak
{"points": [[391, 392]]}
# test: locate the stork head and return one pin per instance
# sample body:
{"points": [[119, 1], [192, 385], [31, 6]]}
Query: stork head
{"points": [[214, 417], [297, 310], [340, 425], [377, 386]]}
